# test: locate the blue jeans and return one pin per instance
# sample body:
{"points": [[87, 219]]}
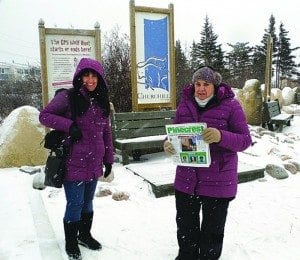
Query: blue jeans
{"points": [[79, 195]]}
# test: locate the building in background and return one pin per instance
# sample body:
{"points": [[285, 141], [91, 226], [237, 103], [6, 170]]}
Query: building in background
{"points": [[18, 71]]}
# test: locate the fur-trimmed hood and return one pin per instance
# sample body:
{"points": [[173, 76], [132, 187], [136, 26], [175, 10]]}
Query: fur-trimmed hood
{"points": [[85, 64]]}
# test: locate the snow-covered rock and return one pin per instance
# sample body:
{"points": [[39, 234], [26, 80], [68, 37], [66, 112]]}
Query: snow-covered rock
{"points": [[288, 96], [250, 98], [38, 181], [21, 135], [276, 93]]}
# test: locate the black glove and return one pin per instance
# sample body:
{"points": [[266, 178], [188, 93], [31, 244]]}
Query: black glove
{"points": [[75, 132], [107, 169]]}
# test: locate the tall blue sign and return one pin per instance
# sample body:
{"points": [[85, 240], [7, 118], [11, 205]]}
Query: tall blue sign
{"points": [[156, 54]]}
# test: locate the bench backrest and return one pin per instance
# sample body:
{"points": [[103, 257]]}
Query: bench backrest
{"points": [[272, 109], [140, 124], [297, 98]]}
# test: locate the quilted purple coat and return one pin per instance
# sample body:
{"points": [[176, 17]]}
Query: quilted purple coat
{"points": [[220, 179], [87, 155]]}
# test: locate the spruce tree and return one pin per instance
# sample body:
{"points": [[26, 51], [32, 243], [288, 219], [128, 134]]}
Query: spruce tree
{"points": [[285, 66], [183, 71], [208, 51], [194, 54], [239, 61], [259, 55]]}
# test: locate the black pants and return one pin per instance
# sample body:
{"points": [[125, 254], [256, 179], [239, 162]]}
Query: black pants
{"points": [[195, 241]]}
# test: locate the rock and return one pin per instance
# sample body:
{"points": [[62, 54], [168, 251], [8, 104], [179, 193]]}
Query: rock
{"points": [[276, 171], [285, 157], [290, 167], [120, 195], [276, 93], [103, 193], [250, 98], [288, 96], [20, 139], [288, 140], [267, 132], [297, 164], [274, 151], [38, 181]]}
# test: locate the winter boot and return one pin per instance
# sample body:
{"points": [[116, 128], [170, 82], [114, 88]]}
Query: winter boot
{"points": [[187, 256], [72, 249], [85, 238]]}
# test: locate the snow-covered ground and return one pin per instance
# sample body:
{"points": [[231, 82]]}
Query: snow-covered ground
{"points": [[263, 221]]}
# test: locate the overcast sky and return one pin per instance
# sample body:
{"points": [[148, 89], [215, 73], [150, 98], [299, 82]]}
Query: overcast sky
{"points": [[233, 20]]}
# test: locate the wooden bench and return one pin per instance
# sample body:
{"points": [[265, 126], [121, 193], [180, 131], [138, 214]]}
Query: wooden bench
{"points": [[297, 98], [134, 132], [275, 117]]}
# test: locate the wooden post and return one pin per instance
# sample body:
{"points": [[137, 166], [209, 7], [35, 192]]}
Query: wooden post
{"points": [[172, 58], [268, 76], [133, 57], [97, 42], [268, 69], [44, 74]]}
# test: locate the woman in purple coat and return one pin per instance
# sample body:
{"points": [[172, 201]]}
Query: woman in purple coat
{"points": [[209, 189], [83, 114]]}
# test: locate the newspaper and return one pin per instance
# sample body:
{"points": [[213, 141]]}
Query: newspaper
{"points": [[187, 141]]}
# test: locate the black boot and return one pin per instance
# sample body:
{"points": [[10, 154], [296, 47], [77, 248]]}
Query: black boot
{"points": [[211, 246], [187, 256], [85, 238], [71, 231]]}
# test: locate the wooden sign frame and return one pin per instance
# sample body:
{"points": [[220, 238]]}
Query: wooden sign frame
{"points": [[152, 75], [60, 51]]}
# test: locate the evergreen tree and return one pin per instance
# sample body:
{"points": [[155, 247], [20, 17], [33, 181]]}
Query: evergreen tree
{"points": [[259, 55], [183, 71], [208, 51], [116, 61], [239, 61], [194, 61], [285, 64]]}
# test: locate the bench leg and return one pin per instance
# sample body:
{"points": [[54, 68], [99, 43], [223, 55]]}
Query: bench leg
{"points": [[136, 154], [270, 127], [125, 157], [280, 128], [288, 123]]}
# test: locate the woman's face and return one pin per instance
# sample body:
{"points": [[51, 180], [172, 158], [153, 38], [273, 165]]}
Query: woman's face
{"points": [[203, 89], [90, 80]]}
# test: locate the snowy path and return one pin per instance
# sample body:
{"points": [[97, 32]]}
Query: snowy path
{"points": [[49, 247], [263, 221], [18, 237]]}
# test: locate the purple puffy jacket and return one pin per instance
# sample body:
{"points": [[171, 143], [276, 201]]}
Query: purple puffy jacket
{"points": [[220, 179], [87, 155]]}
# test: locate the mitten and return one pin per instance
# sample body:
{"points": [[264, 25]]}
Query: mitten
{"points": [[168, 148], [107, 169], [75, 132], [211, 135]]}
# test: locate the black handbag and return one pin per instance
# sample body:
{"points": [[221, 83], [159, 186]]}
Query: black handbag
{"points": [[56, 162], [54, 171]]}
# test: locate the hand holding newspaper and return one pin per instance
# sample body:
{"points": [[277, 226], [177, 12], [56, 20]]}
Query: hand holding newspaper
{"points": [[187, 141]]}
